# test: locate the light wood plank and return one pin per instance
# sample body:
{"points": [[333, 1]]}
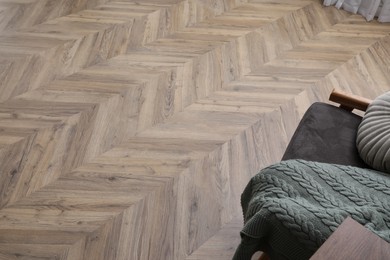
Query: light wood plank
{"points": [[129, 129]]}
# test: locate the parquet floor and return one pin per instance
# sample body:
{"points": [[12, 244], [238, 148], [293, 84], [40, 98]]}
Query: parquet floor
{"points": [[128, 129]]}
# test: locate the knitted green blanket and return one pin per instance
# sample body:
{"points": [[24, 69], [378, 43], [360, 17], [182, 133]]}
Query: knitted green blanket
{"points": [[292, 207]]}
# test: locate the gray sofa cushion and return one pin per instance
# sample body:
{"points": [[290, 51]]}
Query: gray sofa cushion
{"points": [[373, 137], [326, 134]]}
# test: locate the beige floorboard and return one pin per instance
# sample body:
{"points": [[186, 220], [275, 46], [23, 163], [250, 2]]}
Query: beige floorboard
{"points": [[128, 129]]}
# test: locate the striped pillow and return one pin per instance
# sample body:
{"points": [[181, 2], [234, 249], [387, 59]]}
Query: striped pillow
{"points": [[373, 137]]}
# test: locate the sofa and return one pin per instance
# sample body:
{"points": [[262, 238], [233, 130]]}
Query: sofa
{"points": [[292, 207]]}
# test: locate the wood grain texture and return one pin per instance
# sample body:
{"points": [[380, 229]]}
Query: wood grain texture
{"points": [[222, 245], [353, 241], [128, 129]]}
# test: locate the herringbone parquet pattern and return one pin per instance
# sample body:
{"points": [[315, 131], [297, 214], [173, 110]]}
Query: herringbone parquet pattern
{"points": [[128, 129]]}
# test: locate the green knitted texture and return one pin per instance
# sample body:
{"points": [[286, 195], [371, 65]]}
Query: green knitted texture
{"points": [[292, 207]]}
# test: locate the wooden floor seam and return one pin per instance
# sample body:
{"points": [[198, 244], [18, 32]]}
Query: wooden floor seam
{"points": [[129, 129]]}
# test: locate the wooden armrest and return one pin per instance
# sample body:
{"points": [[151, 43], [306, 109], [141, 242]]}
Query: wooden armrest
{"points": [[264, 256], [349, 101]]}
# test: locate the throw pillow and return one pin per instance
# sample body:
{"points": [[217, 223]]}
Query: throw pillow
{"points": [[373, 137]]}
